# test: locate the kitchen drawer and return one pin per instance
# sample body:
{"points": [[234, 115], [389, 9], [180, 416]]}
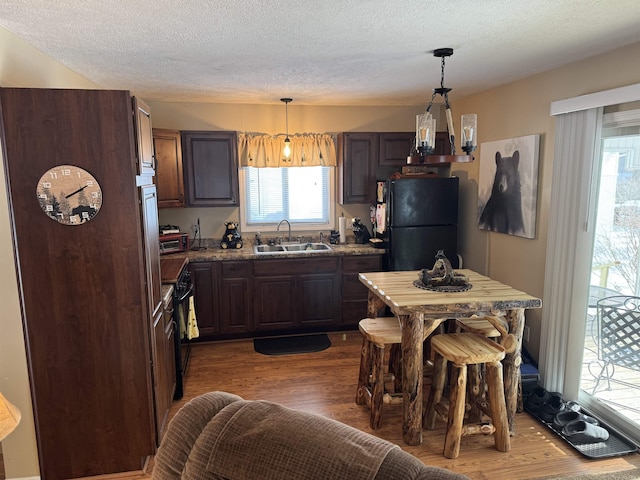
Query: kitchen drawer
{"points": [[295, 266], [235, 269], [362, 263]]}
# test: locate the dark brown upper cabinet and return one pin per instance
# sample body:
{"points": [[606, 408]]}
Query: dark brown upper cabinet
{"points": [[394, 148], [357, 165], [169, 174], [211, 168], [364, 158]]}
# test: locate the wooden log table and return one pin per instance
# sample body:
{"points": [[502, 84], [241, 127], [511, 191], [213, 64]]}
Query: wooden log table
{"points": [[421, 311]]}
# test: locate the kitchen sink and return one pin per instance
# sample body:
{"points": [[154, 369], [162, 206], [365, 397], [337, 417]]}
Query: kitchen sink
{"points": [[268, 248], [291, 248]]}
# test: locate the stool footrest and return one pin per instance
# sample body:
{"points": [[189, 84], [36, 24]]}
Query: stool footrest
{"points": [[477, 428], [392, 399]]}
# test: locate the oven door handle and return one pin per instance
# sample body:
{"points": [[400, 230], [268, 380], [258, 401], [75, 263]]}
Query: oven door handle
{"points": [[186, 295]]}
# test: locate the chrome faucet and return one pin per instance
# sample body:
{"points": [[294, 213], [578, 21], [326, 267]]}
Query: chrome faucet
{"points": [[278, 229], [321, 237]]}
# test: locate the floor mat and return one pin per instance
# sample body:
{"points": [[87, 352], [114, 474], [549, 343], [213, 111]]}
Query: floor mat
{"points": [[293, 344], [616, 444]]}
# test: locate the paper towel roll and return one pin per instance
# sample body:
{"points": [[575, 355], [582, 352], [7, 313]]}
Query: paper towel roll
{"points": [[342, 228]]}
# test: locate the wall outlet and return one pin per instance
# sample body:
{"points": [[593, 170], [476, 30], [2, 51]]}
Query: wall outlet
{"points": [[525, 334]]}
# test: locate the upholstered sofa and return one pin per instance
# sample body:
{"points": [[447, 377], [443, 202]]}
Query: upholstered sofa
{"points": [[219, 435]]}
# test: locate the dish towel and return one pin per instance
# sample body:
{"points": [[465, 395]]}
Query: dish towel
{"points": [[192, 324]]}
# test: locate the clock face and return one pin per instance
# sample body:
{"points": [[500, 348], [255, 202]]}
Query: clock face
{"points": [[69, 195]]}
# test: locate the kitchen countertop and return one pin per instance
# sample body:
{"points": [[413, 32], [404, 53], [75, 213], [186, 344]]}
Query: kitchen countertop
{"points": [[215, 253], [171, 266]]}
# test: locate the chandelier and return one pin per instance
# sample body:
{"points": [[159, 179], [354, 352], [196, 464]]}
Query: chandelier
{"points": [[426, 126]]}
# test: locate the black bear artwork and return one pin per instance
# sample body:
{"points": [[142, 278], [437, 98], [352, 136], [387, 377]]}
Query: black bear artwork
{"points": [[503, 211]]}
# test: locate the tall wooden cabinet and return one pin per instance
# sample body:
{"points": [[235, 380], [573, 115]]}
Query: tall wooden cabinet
{"points": [[88, 291]]}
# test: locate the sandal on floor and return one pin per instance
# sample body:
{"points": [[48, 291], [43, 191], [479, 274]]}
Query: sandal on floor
{"points": [[580, 431], [562, 418]]}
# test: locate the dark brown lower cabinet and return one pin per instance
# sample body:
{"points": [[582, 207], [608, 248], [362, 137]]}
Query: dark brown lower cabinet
{"points": [[243, 298], [294, 293], [205, 277], [354, 293], [236, 305]]}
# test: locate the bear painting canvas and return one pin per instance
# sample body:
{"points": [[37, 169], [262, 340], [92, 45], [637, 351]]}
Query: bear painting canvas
{"points": [[508, 186]]}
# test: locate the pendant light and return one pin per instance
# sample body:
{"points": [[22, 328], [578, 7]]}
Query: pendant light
{"points": [[287, 142], [426, 126]]}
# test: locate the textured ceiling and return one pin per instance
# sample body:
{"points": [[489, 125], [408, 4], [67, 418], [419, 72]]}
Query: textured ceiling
{"points": [[327, 52]]}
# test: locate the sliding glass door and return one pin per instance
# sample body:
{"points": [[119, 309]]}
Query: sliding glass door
{"points": [[610, 368]]}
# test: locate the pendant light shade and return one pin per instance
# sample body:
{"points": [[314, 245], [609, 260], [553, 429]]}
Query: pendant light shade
{"points": [[287, 142]]}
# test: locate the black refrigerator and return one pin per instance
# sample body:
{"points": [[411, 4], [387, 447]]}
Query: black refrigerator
{"points": [[421, 218]]}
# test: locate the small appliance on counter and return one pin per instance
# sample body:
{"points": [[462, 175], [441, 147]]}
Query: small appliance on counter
{"points": [[166, 229], [171, 240]]}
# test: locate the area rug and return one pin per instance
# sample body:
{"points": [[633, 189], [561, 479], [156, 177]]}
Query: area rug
{"points": [[633, 474], [292, 344]]}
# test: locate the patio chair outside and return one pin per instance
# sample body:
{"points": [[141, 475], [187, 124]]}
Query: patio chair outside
{"points": [[618, 323]]}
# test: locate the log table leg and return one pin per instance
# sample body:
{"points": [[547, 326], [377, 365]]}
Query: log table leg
{"points": [[412, 335], [375, 306], [511, 364]]}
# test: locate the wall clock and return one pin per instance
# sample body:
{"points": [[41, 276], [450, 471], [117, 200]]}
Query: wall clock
{"points": [[69, 195]]}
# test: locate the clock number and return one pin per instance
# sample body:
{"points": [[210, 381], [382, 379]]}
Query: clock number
{"points": [[49, 208], [53, 174], [42, 196], [66, 171], [46, 184]]}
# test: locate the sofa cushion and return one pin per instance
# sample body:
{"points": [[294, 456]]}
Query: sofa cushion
{"points": [[269, 441], [184, 430]]}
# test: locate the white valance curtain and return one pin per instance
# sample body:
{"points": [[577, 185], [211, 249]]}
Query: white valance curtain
{"points": [[307, 150]]}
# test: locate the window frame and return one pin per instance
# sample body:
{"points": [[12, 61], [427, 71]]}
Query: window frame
{"points": [[295, 227]]}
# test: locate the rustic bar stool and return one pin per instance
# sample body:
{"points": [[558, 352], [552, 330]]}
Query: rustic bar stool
{"points": [[496, 328], [463, 349], [377, 334]]}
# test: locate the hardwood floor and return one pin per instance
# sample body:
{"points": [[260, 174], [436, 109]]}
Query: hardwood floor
{"points": [[325, 383]]}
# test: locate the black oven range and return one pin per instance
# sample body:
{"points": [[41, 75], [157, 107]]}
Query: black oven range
{"points": [[175, 271]]}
